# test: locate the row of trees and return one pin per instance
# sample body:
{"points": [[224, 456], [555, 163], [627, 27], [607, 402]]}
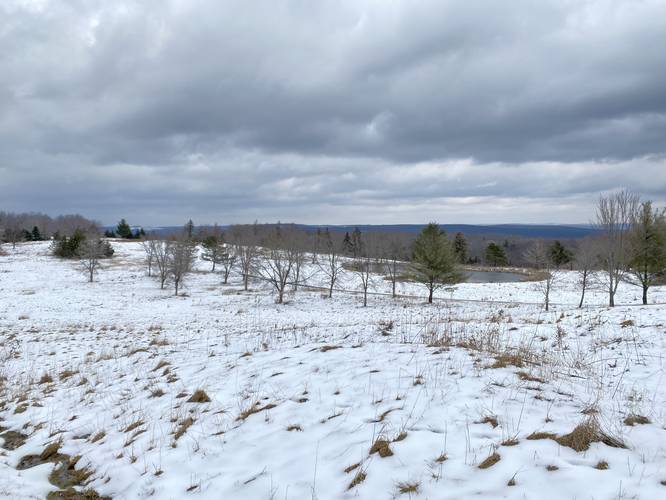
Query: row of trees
{"points": [[629, 246], [18, 227], [124, 230]]}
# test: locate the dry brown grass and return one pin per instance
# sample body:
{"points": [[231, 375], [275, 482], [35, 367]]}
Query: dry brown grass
{"points": [[327, 348], [97, 437], [489, 419], [182, 428], [528, 377], [352, 467], [294, 427], [552, 468], [359, 477], [585, 434], [381, 447], [541, 435], [133, 425], [408, 487], [632, 420], [510, 442], [601, 465], [491, 460], [161, 364], [255, 408], [199, 396], [441, 458], [508, 359], [46, 379]]}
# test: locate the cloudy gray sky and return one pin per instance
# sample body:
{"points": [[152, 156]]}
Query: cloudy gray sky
{"points": [[347, 111]]}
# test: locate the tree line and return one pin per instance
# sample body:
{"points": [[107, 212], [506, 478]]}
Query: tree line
{"points": [[629, 245]]}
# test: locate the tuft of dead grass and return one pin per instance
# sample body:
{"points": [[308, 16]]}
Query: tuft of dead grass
{"points": [[632, 420], [535, 436], [182, 428], [327, 348], [134, 425], [199, 396], [585, 434], [359, 477], [601, 465], [255, 408], [408, 487], [381, 447], [491, 460], [489, 419], [528, 377]]}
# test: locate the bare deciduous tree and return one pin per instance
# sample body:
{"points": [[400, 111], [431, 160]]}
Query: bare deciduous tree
{"points": [[276, 265], [92, 250], [299, 261], [246, 258], [13, 233], [586, 259], [539, 257], [181, 259], [150, 248], [162, 258], [613, 219], [227, 261], [330, 263], [392, 252]]}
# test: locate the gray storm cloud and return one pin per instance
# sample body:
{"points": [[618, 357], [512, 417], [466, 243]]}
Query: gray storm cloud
{"points": [[330, 111]]}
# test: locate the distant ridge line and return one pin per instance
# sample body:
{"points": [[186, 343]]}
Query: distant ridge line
{"points": [[548, 231]]}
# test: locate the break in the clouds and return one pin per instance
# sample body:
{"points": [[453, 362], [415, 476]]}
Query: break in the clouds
{"points": [[365, 111]]}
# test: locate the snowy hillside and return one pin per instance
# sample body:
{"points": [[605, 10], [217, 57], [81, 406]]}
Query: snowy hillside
{"points": [[222, 393]]}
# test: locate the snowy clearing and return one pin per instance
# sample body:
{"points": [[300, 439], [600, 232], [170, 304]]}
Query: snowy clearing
{"points": [[222, 393]]}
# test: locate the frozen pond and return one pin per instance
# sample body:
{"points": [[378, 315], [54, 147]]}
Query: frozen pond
{"points": [[494, 277]]}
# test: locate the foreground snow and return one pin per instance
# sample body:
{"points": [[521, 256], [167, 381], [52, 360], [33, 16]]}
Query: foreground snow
{"points": [[300, 392]]}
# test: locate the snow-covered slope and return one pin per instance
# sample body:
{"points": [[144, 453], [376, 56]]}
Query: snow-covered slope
{"points": [[299, 393]]}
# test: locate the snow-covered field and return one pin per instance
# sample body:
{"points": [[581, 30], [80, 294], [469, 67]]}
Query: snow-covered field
{"points": [[323, 398]]}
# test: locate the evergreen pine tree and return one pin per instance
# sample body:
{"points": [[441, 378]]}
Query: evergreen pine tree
{"points": [[189, 229], [123, 230], [356, 243], [434, 260], [36, 235], [460, 247], [495, 255], [347, 245], [559, 254]]}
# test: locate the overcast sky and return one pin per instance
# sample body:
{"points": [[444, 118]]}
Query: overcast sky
{"points": [[347, 111]]}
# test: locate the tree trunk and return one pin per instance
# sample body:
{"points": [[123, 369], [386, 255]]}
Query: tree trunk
{"points": [[582, 294], [280, 295], [92, 270], [645, 294], [611, 298], [176, 285], [365, 297], [393, 285], [213, 270], [430, 295], [330, 290], [246, 278]]}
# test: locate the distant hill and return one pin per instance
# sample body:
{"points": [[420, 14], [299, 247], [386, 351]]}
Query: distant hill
{"points": [[549, 231]]}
